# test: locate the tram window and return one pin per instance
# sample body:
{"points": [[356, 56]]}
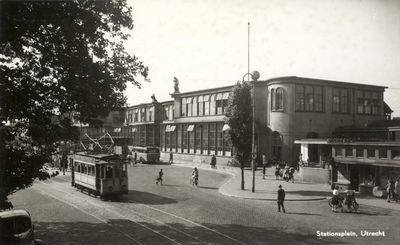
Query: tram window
{"points": [[124, 170], [91, 170], [84, 169], [117, 171], [109, 171]]}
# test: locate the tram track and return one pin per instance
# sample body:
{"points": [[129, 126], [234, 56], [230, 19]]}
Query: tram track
{"points": [[146, 220]]}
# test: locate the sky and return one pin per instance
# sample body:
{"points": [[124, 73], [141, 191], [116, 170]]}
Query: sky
{"points": [[210, 43]]}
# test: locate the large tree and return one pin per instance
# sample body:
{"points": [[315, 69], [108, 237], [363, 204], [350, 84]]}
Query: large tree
{"points": [[57, 57], [239, 117]]}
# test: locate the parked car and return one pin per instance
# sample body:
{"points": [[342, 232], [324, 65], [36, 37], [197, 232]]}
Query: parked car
{"points": [[16, 228]]}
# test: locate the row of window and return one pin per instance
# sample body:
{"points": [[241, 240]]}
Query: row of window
{"points": [[204, 105], [144, 114], [311, 98], [205, 138], [371, 153]]}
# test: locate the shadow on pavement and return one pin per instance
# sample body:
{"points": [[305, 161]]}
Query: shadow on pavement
{"points": [[310, 193], [149, 198]]}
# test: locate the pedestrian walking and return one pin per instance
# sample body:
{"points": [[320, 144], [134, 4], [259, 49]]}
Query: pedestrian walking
{"points": [[135, 158], [390, 189], [213, 161], [397, 190], [281, 199], [291, 173], [160, 177], [171, 157], [277, 172], [265, 162]]}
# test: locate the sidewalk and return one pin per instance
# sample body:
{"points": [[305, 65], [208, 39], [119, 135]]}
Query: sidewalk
{"points": [[267, 189]]}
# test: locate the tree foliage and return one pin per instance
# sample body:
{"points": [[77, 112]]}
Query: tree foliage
{"points": [[239, 117], [58, 57]]}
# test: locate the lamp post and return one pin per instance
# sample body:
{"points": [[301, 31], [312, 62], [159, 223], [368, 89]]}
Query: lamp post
{"points": [[255, 75]]}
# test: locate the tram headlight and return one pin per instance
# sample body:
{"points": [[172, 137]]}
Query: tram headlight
{"points": [[110, 188], [123, 187]]}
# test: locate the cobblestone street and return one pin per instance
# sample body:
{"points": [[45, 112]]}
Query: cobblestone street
{"points": [[177, 213]]}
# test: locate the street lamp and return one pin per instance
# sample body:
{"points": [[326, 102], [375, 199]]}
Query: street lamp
{"points": [[255, 75]]}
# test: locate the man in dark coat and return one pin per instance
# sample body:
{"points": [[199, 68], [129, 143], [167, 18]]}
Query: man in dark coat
{"points": [[281, 198]]}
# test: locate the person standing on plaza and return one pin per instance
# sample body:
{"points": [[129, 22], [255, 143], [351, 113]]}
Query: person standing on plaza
{"points": [[213, 161], [159, 177], [135, 158], [281, 199], [265, 162], [171, 157], [390, 189], [397, 190], [291, 173], [277, 171]]}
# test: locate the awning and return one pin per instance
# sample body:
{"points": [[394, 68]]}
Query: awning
{"points": [[170, 128], [190, 128], [134, 129], [116, 130], [312, 141]]}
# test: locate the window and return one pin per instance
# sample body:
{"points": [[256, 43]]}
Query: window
{"points": [[371, 153], [201, 106], [206, 105], [336, 100], [375, 103], [277, 99], [150, 114], [213, 109], [136, 115], [166, 110], [339, 151], [308, 98], [179, 139], [171, 112], [198, 139], [340, 100], [183, 108], [205, 138], [189, 106], [276, 145], [300, 98], [219, 104], [344, 101], [225, 98], [318, 99], [349, 152], [383, 154], [309, 101], [143, 114], [368, 102], [360, 153], [195, 107]]}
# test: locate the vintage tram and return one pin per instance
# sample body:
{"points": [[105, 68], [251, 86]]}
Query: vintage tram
{"points": [[100, 174]]}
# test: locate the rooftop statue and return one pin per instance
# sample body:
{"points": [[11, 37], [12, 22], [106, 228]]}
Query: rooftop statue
{"points": [[153, 97], [176, 85]]}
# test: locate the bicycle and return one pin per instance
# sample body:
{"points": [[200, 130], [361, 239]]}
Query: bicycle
{"points": [[194, 181], [354, 205], [339, 206]]}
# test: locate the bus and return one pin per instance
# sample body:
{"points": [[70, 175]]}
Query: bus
{"points": [[146, 154]]}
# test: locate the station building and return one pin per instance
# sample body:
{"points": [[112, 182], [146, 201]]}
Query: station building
{"points": [[287, 109]]}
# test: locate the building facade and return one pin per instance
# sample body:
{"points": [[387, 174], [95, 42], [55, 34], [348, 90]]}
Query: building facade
{"points": [[286, 109]]}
